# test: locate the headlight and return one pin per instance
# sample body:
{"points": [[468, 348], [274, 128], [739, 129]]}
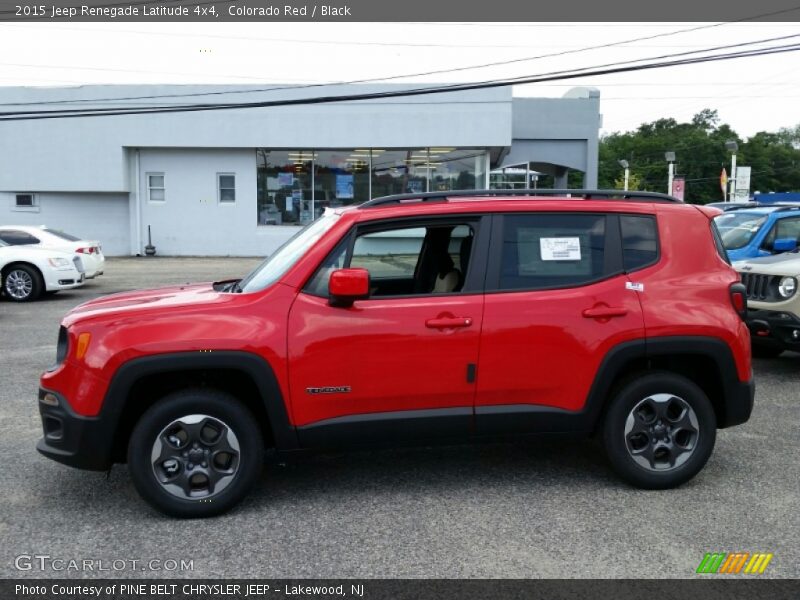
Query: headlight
{"points": [[787, 287], [60, 263]]}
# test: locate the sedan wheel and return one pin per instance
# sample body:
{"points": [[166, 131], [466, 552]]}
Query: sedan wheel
{"points": [[22, 283]]}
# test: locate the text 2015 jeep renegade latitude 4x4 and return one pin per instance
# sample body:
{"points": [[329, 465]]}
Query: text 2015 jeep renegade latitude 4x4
{"points": [[433, 317]]}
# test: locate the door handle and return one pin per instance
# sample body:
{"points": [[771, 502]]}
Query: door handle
{"points": [[448, 322], [605, 312]]}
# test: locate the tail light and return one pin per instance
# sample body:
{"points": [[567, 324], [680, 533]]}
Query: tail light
{"points": [[739, 299], [88, 250]]}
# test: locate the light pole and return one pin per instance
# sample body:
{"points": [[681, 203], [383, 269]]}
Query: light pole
{"points": [[670, 158], [624, 164], [732, 147]]}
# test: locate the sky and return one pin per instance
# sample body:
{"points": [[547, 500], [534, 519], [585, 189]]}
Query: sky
{"points": [[751, 94]]}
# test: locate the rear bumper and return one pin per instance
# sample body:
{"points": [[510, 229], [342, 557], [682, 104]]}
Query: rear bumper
{"points": [[71, 439], [775, 329]]}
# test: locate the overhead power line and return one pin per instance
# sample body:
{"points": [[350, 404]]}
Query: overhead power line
{"points": [[84, 113], [437, 71], [441, 87]]}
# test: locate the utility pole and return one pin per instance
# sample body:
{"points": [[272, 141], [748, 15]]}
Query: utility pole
{"points": [[670, 157], [732, 146], [624, 164]]}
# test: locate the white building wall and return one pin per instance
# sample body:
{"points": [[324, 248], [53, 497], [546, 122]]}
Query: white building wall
{"points": [[92, 216], [89, 154], [191, 221]]}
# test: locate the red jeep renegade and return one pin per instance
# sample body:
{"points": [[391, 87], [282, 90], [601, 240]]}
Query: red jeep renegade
{"points": [[441, 316]]}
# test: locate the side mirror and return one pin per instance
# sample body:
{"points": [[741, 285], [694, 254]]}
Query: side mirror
{"points": [[784, 245], [345, 286]]}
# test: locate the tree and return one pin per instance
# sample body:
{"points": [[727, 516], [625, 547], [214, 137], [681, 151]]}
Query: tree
{"points": [[634, 182], [700, 151]]}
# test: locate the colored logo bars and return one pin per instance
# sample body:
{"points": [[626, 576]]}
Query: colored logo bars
{"points": [[733, 563]]}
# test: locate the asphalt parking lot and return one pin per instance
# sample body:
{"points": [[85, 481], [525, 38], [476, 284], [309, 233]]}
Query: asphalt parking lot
{"points": [[518, 510]]}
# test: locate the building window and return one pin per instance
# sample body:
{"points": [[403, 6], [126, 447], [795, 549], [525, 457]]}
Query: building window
{"points": [[296, 186], [399, 172], [284, 186], [155, 187], [226, 187], [25, 201]]}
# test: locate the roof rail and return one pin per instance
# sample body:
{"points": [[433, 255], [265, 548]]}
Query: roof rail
{"points": [[576, 194]]}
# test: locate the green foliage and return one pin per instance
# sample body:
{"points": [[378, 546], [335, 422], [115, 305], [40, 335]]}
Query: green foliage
{"points": [[634, 182], [700, 152]]}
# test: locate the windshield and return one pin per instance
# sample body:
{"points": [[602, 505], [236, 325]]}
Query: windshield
{"points": [[61, 234], [737, 229], [273, 268]]}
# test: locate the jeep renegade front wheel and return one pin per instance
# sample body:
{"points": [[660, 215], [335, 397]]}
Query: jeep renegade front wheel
{"points": [[659, 430], [195, 453]]}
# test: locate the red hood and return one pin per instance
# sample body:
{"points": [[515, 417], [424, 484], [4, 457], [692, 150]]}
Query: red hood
{"points": [[140, 300]]}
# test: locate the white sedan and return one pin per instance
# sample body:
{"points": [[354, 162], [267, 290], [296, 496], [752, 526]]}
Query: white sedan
{"points": [[44, 237], [28, 271]]}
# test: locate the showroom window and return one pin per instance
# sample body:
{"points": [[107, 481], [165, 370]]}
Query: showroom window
{"points": [[284, 186], [551, 251], [399, 172], [294, 187], [226, 187], [155, 187]]}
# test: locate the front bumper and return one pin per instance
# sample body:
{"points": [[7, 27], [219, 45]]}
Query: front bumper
{"points": [[63, 280], [72, 439], [775, 329]]}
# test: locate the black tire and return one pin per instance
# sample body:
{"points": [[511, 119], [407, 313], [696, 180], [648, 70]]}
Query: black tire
{"points": [[766, 351], [22, 283], [151, 432], [662, 453]]}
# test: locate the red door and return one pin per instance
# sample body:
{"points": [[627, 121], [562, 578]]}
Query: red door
{"points": [[383, 356], [545, 347], [560, 303]]}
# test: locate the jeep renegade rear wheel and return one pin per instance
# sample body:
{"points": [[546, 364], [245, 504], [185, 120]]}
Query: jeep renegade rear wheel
{"points": [[195, 453], [659, 431]]}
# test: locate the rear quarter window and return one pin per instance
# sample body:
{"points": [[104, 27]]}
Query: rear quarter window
{"points": [[639, 241]]}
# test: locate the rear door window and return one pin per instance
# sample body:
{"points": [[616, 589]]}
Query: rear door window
{"points": [[14, 237], [543, 251]]}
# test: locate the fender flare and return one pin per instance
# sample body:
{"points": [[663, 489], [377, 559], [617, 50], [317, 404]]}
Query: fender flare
{"points": [[253, 365]]}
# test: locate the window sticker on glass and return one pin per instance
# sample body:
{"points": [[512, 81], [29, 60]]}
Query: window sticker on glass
{"points": [[560, 248]]}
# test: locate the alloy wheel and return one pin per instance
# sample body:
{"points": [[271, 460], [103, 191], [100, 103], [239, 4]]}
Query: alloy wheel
{"points": [[661, 432], [19, 284], [195, 457]]}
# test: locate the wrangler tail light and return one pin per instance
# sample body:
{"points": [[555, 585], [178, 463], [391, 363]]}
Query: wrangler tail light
{"points": [[739, 299]]}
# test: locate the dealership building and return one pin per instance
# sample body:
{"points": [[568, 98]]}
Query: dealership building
{"points": [[240, 181]]}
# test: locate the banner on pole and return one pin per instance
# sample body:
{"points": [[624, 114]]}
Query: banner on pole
{"points": [[678, 187]]}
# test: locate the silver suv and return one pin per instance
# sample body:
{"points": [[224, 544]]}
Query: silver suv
{"points": [[773, 303]]}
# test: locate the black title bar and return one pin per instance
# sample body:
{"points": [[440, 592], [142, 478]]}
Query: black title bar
{"points": [[262, 11]]}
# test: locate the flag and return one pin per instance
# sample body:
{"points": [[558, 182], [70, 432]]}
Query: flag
{"points": [[723, 180]]}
